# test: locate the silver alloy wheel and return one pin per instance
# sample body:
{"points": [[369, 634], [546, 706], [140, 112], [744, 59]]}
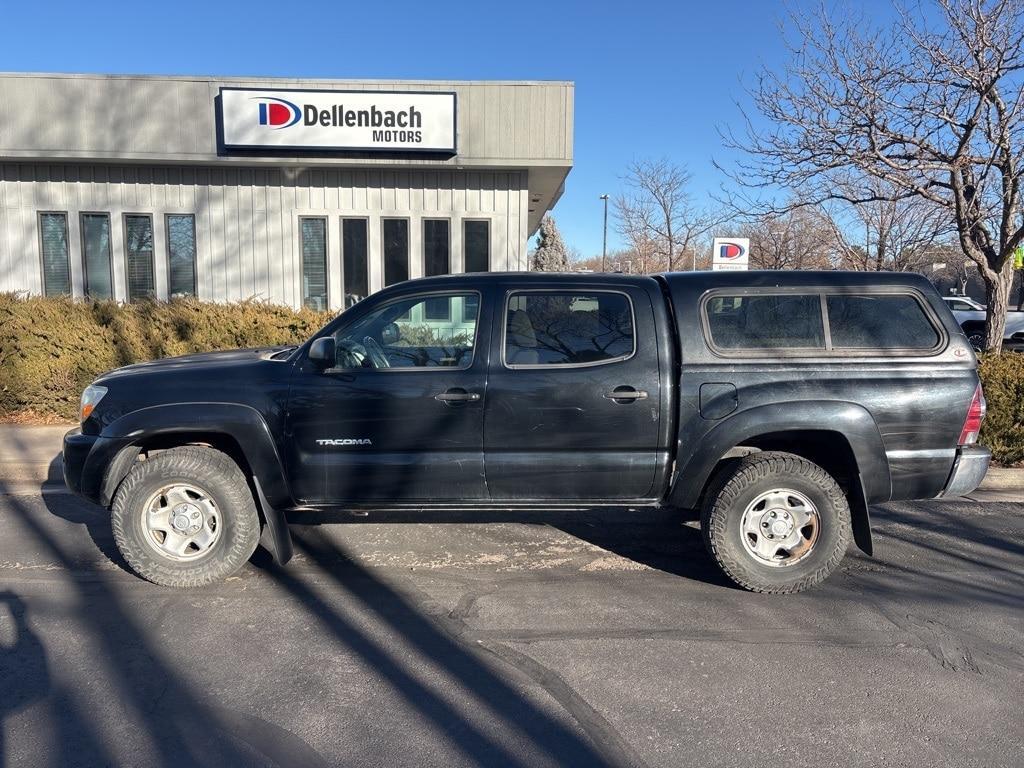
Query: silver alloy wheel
{"points": [[181, 522], [780, 527]]}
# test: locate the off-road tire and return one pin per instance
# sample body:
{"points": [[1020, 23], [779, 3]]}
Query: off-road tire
{"points": [[218, 474], [757, 473], [975, 333]]}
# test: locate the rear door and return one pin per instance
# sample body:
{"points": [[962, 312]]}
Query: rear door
{"points": [[573, 405]]}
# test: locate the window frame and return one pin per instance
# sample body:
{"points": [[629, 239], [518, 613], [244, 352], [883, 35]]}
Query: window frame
{"points": [[110, 254], [489, 223], [152, 259], [829, 351], [67, 243], [450, 293], [327, 262], [195, 254], [563, 366]]}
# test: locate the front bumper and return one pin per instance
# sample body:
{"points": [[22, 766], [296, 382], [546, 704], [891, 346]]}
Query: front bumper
{"points": [[968, 471], [89, 459], [76, 450]]}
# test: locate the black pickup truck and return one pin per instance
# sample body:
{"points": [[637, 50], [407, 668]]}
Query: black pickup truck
{"points": [[780, 404]]}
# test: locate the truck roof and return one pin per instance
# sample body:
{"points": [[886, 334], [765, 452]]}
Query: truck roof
{"points": [[703, 280]]}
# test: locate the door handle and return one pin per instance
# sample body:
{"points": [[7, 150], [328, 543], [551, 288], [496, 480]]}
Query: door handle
{"points": [[626, 394], [457, 397]]}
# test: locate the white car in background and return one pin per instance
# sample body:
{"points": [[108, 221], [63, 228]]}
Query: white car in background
{"points": [[971, 317]]}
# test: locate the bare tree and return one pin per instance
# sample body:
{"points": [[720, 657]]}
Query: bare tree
{"points": [[890, 232], [953, 262], [657, 215], [932, 112], [803, 238]]}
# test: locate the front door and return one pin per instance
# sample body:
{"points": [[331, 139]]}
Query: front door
{"points": [[400, 415], [573, 398]]}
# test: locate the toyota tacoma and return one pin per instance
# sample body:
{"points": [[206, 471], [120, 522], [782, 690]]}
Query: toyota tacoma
{"points": [[779, 404]]}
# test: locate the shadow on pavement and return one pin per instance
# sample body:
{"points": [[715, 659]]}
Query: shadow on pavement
{"points": [[175, 716], [656, 538], [181, 726]]}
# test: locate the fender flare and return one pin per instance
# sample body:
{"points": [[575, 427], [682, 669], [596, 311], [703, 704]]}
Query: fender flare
{"points": [[242, 423], [873, 483]]}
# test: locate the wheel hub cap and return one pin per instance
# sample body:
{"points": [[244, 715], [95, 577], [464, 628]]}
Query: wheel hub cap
{"points": [[779, 527], [181, 522]]}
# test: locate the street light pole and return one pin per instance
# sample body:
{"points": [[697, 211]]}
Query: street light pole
{"points": [[604, 246]]}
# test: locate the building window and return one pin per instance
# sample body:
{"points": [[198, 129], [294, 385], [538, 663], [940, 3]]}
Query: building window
{"points": [[436, 247], [181, 255], [53, 251], [138, 255], [476, 245], [437, 310], [355, 251], [96, 255], [314, 263], [396, 250]]}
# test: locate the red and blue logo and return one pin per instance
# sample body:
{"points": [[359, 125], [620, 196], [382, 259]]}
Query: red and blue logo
{"points": [[278, 113], [730, 251]]}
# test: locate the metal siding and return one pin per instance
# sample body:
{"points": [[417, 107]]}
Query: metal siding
{"points": [[246, 235], [140, 118]]}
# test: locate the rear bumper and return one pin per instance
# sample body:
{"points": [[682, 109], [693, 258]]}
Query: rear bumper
{"points": [[968, 471]]}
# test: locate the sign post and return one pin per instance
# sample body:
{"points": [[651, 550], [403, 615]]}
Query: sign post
{"points": [[730, 254]]}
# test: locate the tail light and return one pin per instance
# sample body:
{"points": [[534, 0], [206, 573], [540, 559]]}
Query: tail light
{"points": [[975, 415]]}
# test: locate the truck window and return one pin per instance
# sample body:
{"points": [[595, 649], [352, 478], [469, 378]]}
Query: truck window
{"points": [[879, 321], [762, 321], [566, 328], [436, 331]]}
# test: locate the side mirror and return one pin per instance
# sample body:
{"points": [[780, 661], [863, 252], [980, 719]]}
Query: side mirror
{"points": [[390, 334], [322, 352]]}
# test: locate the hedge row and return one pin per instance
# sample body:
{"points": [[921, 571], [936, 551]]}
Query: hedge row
{"points": [[1002, 377], [50, 349]]}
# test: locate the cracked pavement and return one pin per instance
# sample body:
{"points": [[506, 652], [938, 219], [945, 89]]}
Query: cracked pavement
{"points": [[601, 637]]}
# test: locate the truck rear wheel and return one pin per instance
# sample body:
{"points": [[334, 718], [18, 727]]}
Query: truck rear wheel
{"points": [[185, 517], [776, 523]]}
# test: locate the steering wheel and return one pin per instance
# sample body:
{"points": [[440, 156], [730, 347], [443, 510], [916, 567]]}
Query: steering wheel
{"points": [[351, 354], [377, 356]]}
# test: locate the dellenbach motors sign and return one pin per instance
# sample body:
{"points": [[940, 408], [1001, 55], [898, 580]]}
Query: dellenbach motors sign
{"points": [[730, 253], [338, 120]]}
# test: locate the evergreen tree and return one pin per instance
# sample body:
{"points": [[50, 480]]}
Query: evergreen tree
{"points": [[551, 255]]}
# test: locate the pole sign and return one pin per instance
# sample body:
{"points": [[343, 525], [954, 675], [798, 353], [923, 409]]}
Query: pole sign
{"points": [[1018, 257], [364, 121], [730, 254]]}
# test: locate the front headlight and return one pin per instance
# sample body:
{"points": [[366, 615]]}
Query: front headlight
{"points": [[91, 397]]}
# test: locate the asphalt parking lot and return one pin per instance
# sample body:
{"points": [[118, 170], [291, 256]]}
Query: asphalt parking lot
{"points": [[561, 638]]}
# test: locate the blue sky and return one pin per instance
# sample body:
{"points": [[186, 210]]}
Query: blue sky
{"points": [[652, 79]]}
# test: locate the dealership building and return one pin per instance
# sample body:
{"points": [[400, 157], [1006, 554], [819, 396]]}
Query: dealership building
{"points": [[298, 192]]}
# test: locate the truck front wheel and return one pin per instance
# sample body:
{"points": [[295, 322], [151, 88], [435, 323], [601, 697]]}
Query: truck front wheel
{"points": [[185, 517], [776, 523]]}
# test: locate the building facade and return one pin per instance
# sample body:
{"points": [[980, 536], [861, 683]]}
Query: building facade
{"points": [[295, 192]]}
